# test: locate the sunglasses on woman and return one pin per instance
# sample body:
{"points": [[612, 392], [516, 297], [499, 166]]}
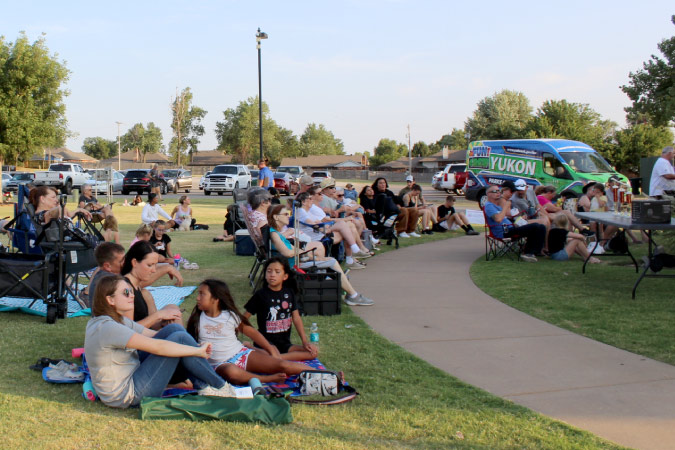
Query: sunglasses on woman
{"points": [[127, 292]]}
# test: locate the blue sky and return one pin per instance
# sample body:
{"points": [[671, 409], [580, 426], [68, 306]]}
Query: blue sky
{"points": [[365, 69]]}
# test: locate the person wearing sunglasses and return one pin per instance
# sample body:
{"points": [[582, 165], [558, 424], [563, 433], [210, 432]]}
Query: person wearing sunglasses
{"points": [[128, 361], [502, 227]]}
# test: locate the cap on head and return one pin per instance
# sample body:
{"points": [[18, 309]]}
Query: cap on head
{"points": [[409, 178], [306, 180], [327, 183], [614, 179], [667, 150], [520, 184]]}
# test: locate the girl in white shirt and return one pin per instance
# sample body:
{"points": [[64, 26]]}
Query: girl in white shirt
{"points": [[217, 320]]}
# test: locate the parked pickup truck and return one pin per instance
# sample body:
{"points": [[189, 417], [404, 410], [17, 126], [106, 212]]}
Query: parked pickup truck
{"points": [[451, 179], [63, 176]]}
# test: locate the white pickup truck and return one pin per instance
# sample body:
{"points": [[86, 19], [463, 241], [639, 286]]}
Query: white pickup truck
{"points": [[451, 179], [63, 176]]}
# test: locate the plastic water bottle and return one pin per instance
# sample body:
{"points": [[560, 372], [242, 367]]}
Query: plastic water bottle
{"points": [[314, 334], [176, 262], [88, 391]]}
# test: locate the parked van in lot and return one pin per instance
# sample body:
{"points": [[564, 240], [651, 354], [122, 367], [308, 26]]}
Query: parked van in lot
{"points": [[567, 165]]}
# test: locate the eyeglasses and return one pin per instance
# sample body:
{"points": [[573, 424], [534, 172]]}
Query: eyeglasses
{"points": [[340, 195], [287, 214], [127, 292], [160, 230], [494, 191]]}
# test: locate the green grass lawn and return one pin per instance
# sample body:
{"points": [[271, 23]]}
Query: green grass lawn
{"points": [[404, 402], [597, 304]]}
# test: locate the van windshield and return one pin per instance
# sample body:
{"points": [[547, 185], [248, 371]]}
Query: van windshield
{"points": [[583, 162]]}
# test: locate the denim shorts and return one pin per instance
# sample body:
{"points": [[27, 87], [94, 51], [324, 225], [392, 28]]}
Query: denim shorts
{"points": [[560, 255]]}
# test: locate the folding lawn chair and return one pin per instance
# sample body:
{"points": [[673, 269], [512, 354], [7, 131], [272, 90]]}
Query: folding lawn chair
{"points": [[496, 247]]}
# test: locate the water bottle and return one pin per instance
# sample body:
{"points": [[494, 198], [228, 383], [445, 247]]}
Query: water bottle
{"points": [[176, 262], [88, 390], [314, 334]]}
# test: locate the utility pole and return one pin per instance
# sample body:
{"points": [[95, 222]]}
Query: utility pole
{"points": [[119, 147], [409, 153]]}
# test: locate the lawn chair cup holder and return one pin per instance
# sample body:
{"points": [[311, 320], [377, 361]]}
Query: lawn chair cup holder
{"points": [[320, 293]]}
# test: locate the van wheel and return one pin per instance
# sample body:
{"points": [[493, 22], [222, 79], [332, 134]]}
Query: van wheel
{"points": [[482, 199]]}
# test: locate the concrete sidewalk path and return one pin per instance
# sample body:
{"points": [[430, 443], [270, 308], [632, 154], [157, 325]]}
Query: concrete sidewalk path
{"points": [[426, 302]]}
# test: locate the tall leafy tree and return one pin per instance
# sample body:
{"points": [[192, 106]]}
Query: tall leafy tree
{"points": [[317, 140], [32, 108], [456, 140], [238, 133], [99, 148], [639, 141], [387, 150], [145, 140], [186, 125], [652, 89], [420, 149], [504, 115], [577, 121]]}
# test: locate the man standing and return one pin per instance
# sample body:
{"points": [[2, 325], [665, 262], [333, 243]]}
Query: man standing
{"points": [[501, 227], [154, 181], [663, 175], [265, 176]]}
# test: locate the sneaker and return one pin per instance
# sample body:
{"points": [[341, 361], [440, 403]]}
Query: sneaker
{"points": [[375, 241], [528, 258], [403, 234], [429, 232], [356, 265], [359, 300], [361, 254], [413, 234], [472, 233], [225, 391]]}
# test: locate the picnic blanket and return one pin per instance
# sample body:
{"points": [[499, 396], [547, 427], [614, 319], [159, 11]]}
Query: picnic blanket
{"points": [[290, 386], [163, 295]]}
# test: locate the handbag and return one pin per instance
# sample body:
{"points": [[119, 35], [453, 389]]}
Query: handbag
{"points": [[326, 383]]}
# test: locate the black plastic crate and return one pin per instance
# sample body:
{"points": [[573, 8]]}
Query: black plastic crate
{"points": [[320, 293]]}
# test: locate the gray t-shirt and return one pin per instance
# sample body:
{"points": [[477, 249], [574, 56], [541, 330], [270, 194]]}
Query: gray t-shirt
{"points": [[95, 279], [520, 204], [111, 363]]}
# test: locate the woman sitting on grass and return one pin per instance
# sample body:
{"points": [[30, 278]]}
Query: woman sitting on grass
{"points": [[216, 320], [563, 244], [276, 310], [312, 256], [182, 214], [122, 375]]}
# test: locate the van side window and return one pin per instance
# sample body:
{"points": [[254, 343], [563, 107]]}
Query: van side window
{"points": [[553, 167]]}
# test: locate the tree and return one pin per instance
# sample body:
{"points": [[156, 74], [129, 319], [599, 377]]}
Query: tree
{"points": [[576, 121], [145, 140], [652, 89], [420, 149], [186, 125], [637, 142], [317, 140], [456, 140], [505, 115], [99, 148], [238, 134], [387, 150], [32, 108]]}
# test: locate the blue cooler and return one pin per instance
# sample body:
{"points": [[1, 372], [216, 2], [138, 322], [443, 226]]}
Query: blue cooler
{"points": [[243, 244]]}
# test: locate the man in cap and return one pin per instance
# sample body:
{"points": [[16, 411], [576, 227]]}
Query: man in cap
{"points": [[663, 175], [305, 183], [409, 181], [350, 192]]}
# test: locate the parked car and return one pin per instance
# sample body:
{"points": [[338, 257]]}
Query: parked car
{"points": [[284, 183], [254, 175], [101, 186], [17, 180], [63, 176], [138, 180], [201, 181], [227, 178], [451, 179], [177, 179], [295, 171], [5, 178], [319, 175]]}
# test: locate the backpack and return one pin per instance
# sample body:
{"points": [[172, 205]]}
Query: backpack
{"points": [[325, 383]]}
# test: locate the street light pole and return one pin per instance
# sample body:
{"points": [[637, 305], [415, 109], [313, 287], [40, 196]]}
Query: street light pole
{"points": [[409, 153], [119, 147], [258, 37]]}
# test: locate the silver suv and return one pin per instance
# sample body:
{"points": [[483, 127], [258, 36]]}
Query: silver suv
{"points": [[227, 178]]}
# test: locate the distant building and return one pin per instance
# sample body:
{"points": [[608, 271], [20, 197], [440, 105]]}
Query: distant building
{"points": [[210, 158], [328, 162], [434, 162], [133, 159], [50, 155]]}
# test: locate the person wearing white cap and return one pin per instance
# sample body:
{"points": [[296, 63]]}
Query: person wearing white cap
{"points": [[409, 181], [527, 204]]}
